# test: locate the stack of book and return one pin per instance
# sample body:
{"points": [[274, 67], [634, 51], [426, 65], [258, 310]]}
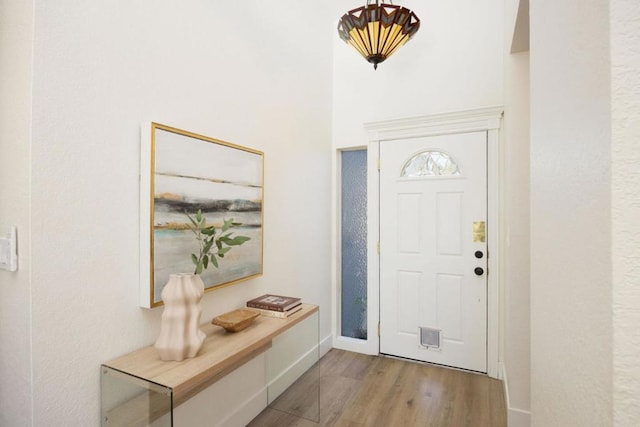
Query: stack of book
{"points": [[275, 305]]}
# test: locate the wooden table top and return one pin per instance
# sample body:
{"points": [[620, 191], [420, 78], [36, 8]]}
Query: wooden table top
{"points": [[221, 353]]}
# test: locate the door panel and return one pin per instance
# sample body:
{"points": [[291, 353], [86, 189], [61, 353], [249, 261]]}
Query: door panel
{"points": [[449, 305], [428, 205], [409, 223], [449, 223], [408, 310]]}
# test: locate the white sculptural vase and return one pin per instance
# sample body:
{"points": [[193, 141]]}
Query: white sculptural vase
{"points": [[180, 334]]}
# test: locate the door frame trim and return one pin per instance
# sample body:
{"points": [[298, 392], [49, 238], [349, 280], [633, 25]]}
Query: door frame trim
{"points": [[487, 119]]}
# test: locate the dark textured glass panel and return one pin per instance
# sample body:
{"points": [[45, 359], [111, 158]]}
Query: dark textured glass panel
{"points": [[354, 244]]}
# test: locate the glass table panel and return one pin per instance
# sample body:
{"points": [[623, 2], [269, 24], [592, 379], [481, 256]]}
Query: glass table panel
{"points": [[131, 401], [293, 371]]}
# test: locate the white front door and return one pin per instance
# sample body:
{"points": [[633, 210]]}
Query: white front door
{"points": [[433, 249]]}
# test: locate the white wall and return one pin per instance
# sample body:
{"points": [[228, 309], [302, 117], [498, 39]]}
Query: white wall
{"points": [[454, 62], [16, 47], [515, 254], [625, 207], [571, 301], [244, 72]]}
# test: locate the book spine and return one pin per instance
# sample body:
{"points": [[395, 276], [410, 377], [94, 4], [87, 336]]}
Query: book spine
{"points": [[270, 313], [264, 306], [278, 314]]}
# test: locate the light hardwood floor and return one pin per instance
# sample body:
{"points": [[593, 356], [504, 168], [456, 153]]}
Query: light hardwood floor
{"points": [[360, 390]]}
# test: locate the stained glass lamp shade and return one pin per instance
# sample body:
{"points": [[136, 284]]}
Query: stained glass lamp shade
{"points": [[378, 30]]}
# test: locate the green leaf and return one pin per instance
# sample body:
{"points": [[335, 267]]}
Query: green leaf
{"points": [[218, 244], [195, 224], [199, 268], [205, 261], [223, 251], [209, 231], [214, 261], [199, 215], [227, 224], [207, 246], [236, 241], [241, 239], [194, 258]]}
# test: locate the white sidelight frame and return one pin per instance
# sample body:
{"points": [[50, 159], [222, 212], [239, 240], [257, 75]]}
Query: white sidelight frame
{"points": [[341, 342], [487, 119]]}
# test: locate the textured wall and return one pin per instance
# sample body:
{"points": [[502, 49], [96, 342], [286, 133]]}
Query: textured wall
{"points": [[16, 40], [230, 70], [571, 322], [625, 184]]}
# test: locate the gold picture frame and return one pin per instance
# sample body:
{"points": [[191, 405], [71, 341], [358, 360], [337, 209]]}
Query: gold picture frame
{"points": [[182, 173]]}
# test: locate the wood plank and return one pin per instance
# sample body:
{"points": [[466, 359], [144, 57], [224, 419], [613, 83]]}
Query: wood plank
{"points": [[220, 354], [358, 390]]}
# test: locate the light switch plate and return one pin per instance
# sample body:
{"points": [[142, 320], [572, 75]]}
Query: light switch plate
{"points": [[8, 251]]}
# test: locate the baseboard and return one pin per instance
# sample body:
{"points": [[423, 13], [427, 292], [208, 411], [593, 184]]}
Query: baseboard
{"points": [[370, 346], [518, 418], [515, 417], [326, 344]]}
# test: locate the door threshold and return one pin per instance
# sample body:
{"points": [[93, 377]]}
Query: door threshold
{"points": [[422, 362]]}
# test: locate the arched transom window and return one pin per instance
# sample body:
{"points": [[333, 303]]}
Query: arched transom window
{"points": [[429, 163]]}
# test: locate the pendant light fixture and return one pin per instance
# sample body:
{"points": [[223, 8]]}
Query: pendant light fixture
{"points": [[377, 30]]}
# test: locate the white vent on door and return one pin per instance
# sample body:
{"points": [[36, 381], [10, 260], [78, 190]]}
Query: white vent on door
{"points": [[429, 337]]}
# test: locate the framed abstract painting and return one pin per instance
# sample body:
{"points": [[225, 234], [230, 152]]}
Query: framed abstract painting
{"points": [[198, 193]]}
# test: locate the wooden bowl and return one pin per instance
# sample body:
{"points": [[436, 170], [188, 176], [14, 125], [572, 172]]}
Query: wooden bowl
{"points": [[236, 320]]}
